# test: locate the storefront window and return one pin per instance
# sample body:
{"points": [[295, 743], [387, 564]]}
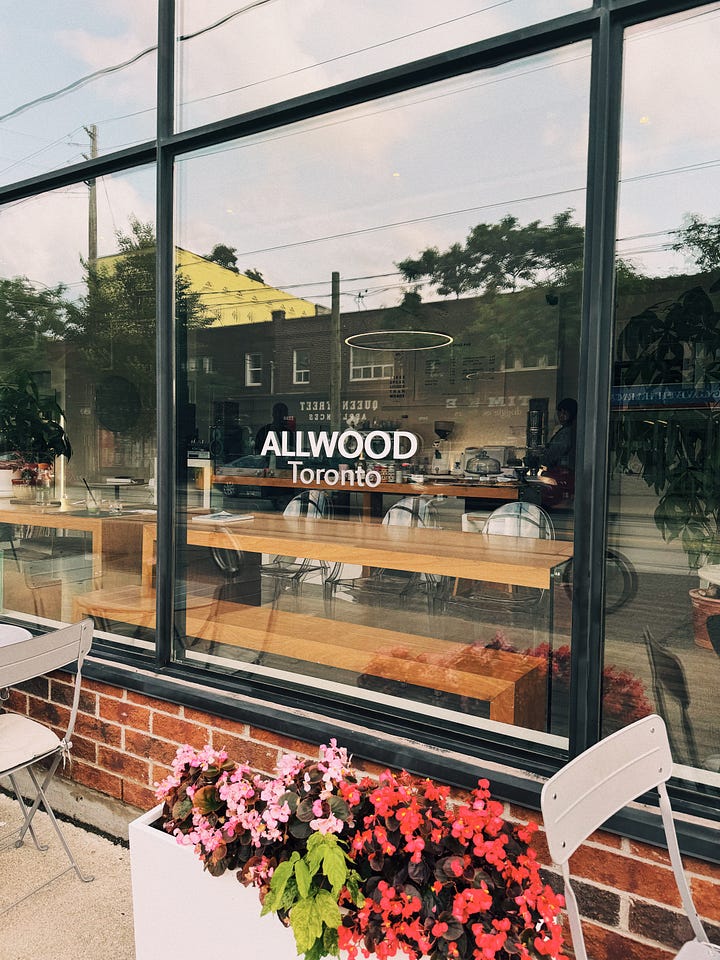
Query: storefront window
{"points": [[77, 403], [424, 253], [79, 83], [307, 45], [662, 644]]}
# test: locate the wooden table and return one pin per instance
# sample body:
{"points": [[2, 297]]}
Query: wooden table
{"points": [[519, 561], [372, 496], [513, 685], [112, 536]]}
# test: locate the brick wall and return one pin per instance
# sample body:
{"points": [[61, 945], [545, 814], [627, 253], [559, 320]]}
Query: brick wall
{"points": [[124, 742]]}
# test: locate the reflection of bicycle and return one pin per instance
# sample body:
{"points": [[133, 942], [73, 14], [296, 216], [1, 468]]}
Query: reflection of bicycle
{"points": [[621, 581]]}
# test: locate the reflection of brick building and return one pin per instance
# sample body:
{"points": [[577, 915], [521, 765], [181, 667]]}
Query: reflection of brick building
{"points": [[480, 384]]}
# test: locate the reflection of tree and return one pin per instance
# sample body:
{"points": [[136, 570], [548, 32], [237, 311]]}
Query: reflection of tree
{"points": [[116, 327], [529, 278], [30, 320], [502, 256], [224, 256], [700, 240]]}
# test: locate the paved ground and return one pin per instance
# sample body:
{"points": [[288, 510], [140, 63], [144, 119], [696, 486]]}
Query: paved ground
{"points": [[68, 920]]}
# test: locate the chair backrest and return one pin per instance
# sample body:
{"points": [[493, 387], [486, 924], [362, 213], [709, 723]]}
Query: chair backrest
{"points": [[37, 656], [520, 520], [586, 792], [412, 512], [309, 503]]}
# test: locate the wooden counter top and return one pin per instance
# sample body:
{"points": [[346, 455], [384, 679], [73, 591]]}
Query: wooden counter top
{"points": [[520, 561]]}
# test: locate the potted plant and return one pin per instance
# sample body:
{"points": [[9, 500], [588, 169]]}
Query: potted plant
{"points": [[31, 430], [354, 866], [668, 423]]}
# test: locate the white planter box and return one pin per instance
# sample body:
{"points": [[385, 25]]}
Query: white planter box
{"points": [[182, 912]]}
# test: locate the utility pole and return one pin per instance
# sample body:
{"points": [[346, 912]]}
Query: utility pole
{"points": [[91, 131], [335, 355]]}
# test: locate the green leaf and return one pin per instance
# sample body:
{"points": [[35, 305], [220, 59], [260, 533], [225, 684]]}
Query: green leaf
{"points": [[339, 808], [182, 809], [304, 811], [335, 867], [328, 909], [306, 923], [302, 876], [280, 877], [206, 799]]}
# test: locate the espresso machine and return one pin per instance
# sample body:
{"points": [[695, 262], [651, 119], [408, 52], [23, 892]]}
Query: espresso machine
{"points": [[440, 463]]}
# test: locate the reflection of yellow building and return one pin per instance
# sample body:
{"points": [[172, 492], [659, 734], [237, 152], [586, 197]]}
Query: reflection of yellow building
{"points": [[232, 298]]}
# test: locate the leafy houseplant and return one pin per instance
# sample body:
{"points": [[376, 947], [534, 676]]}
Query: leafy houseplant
{"points": [[30, 425], [672, 351], [389, 867]]}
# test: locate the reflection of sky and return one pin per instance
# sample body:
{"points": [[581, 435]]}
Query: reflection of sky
{"points": [[384, 181], [358, 191], [56, 45], [310, 44], [671, 136]]}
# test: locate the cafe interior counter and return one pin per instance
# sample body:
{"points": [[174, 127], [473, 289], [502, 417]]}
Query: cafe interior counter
{"points": [[504, 492]]}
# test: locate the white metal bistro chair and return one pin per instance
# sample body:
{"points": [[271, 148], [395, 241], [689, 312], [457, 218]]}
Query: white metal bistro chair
{"points": [[25, 743], [596, 785]]}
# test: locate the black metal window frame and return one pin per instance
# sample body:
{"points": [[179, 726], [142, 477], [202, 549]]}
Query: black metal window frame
{"points": [[450, 752]]}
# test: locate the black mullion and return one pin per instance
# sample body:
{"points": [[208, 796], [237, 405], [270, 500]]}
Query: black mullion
{"points": [[166, 341], [596, 347], [117, 162]]}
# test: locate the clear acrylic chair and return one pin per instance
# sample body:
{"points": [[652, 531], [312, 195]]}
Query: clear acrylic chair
{"points": [[510, 520], [288, 573], [418, 511], [599, 783], [25, 744]]}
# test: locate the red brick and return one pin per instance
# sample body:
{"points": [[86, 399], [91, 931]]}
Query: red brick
{"points": [[625, 873], [209, 719], [605, 944], [143, 745], [256, 755], [130, 768], [138, 796], [51, 713], [539, 845], [99, 730], [127, 714], [669, 927], [159, 772], [64, 692], [705, 895], [706, 869], [17, 702], [286, 744], [108, 689], [153, 703], [83, 749], [100, 780], [37, 687], [179, 731]]}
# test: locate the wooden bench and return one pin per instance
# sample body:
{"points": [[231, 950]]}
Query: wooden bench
{"points": [[514, 685]]}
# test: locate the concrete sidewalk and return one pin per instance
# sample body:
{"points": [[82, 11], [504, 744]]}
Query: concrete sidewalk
{"points": [[69, 919]]}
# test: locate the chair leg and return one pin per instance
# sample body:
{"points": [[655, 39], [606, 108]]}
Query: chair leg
{"points": [[26, 818], [49, 810]]}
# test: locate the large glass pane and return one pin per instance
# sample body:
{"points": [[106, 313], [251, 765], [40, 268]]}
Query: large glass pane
{"points": [[272, 51], [661, 636], [419, 259], [77, 367], [79, 81]]}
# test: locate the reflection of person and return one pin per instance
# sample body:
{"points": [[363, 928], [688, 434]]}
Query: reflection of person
{"points": [[560, 450], [277, 425]]}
